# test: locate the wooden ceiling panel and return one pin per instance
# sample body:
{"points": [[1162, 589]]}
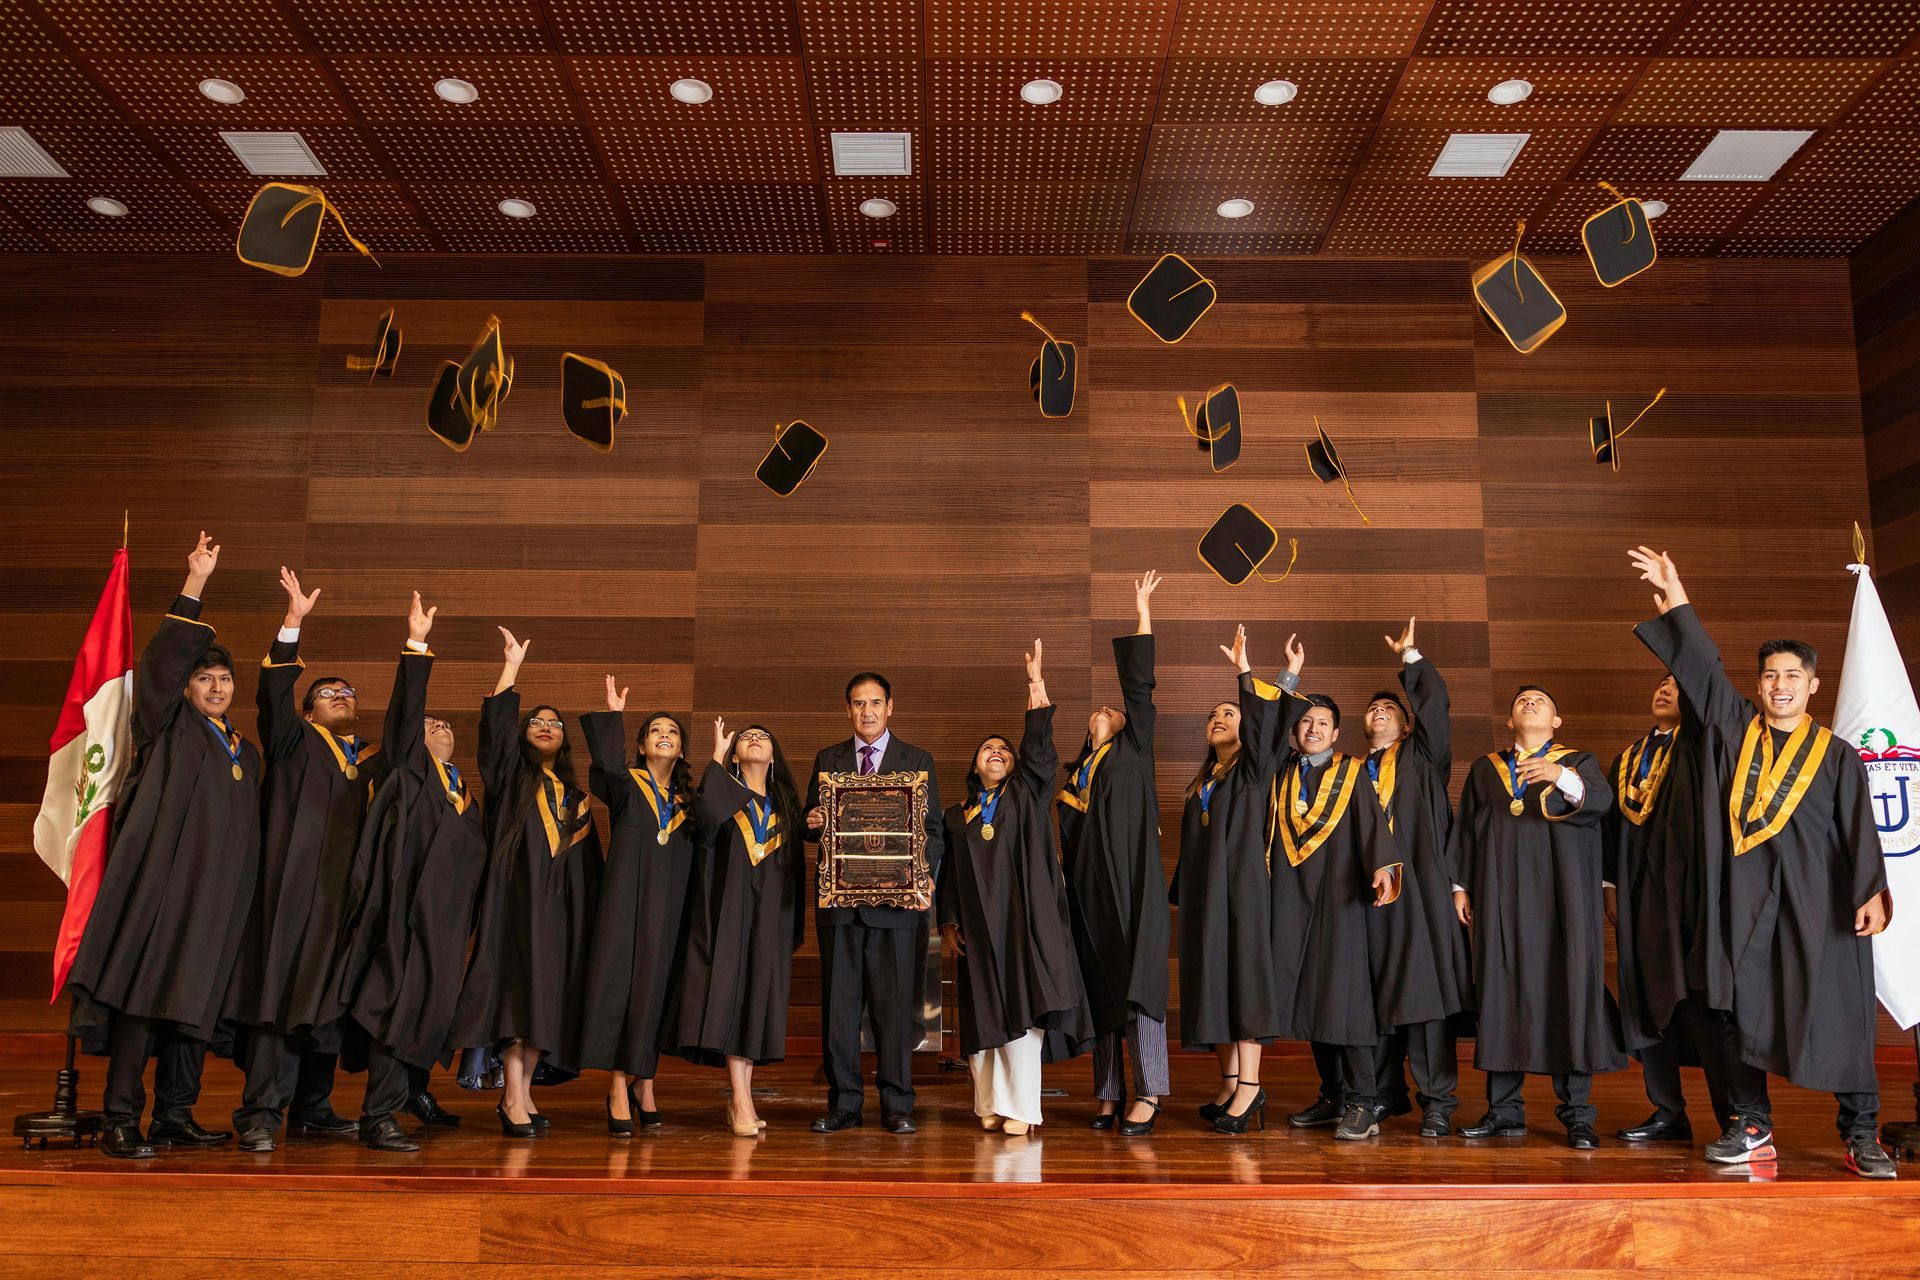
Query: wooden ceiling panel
{"points": [[1298, 28], [710, 153], [1696, 211], [1332, 91], [1253, 153], [153, 208], [1035, 152], [737, 28], [203, 155], [515, 90], [473, 208], [280, 90], [1840, 156], [1073, 243], [854, 232], [1097, 90], [1416, 219], [474, 27], [102, 151], [730, 218], [1551, 28], [635, 91], [1293, 208], [381, 208], [1894, 99], [860, 28], [174, 26], [485, 153], [1009, 207], [1840, 217], [865, 93], [1221, 244], [1752, 93], [1641, 155], [1048, 28], [1402, 153], [17, 237], [23, 36], [44, 89], [1796, 29], [1453, 91]]}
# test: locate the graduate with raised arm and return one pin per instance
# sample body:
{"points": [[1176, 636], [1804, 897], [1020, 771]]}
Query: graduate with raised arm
{"points": [[1525, 850], [1222, 888], [159, 948], [320, 777], [415, 876], [1116, 888], [1806, 882], [633, 971], [1002, 905]]}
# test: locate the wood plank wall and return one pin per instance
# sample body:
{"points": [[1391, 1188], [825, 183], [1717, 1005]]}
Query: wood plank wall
{"points": [[1886, 320], [948, 525]]}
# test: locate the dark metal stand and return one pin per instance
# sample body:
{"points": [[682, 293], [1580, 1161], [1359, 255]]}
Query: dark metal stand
{"points": [[1903, 1137], [65, 1121]]}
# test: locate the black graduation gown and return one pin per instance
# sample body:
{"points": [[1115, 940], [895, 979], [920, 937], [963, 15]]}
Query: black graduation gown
{"points": [[633, 974], [311, 828], [1009, 898], [537, 908], [164, 933], [1798, 981], [415, 875], [1414, 776], [744, 922], [1110, 850], [1539, 945], [1345, 971], [1222, 888]]}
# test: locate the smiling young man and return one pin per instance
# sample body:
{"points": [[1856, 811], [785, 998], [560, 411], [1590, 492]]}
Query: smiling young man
{"points": [[871, 958], [1795, 837]]}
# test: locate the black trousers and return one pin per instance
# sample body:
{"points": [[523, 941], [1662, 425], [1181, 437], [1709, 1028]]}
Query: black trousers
{"points": [[178, 1060], [1331, 1064], [866, 969], [279, 1074], [391, 1083], [1350, 1073], [1436, 1065], [1711, 1034], [1574, 1089]]}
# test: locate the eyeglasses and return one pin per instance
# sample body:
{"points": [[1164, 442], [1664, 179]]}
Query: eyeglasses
{"points": [[333, 691], [541, 722], [753, 735], [433, 724]]}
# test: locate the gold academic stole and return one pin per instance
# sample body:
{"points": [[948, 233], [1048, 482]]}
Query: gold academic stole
{"points": [[1636, 795], [1302, 833], [1768, 789]]}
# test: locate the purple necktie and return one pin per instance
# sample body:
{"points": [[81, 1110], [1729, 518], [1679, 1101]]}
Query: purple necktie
{"points": [[866, 759]]}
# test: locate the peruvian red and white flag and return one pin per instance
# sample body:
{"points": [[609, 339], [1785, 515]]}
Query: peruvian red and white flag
{"points": [[92, 749], [1876, 714]]}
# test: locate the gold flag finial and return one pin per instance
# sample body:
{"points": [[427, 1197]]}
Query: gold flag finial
{"points": [[1859, 545]]}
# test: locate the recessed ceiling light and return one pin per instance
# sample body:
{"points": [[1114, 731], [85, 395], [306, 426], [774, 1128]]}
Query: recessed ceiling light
{"points": [[1508, 92], [223, 91], [1235, 208], [691, 91], [514, 208], [1275, 92], [454, 89], [879, 208], [107, 207], [1041, 92], [1653, 208]]}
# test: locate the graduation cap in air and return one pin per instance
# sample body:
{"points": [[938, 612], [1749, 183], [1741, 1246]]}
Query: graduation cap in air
{"points": [[1216, 425], [1326, 464], [797, 450], [1239, 542], [593, 399], [1516, 300], [386, 350], [1053, 373], [1619, 239], [1604, 438], [281, 229], [1171, 298], [485, 378], [444, 416]]}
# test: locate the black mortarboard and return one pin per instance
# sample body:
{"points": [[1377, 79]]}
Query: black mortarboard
{"points": [[1239, 543], [281, 229], [386, 350], [1516, 301], [1053, 373], [444, 417], [1324, 459], [485, 379], [593, 399], [1619, 240], [1216, 425], [1171, 298], [797, 449], [1605, 440]]}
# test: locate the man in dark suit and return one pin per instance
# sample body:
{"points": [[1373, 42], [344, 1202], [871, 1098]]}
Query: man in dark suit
{"points": [[871, 957]]}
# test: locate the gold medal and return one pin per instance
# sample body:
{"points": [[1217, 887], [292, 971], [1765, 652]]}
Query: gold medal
{"points": [[662, 837], [759, 850], [1518, 807], [1203, 817], [353, 772], [1300, 807], [239, 774], [986, 831]]}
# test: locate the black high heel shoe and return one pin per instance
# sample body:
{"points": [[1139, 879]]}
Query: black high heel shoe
{"points": [[539, 1121], [1209, 1111], [1140, 1128], [509, 1128], [617, 1127], [645, 1118], [1109, 1119], [1228, 1122]]}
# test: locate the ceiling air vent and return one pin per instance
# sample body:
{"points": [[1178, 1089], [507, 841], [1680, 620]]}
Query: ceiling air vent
{"points": [[1478, 155], [275, 154], [22, 157], [870, 155], [1745, 155]]}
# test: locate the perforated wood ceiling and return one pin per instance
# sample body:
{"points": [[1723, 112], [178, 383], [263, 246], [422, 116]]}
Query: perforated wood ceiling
{"points": [[1157, 126]]}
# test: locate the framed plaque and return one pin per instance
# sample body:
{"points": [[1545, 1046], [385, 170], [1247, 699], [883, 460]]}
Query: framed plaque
{"points": [[873, 846]]}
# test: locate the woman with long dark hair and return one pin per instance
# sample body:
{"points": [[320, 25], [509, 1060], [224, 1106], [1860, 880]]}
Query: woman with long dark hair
{"points": [[522, 993], [636, 943], [744, 920]]}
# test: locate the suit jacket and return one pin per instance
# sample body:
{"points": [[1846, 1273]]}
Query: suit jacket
{"points": [[900, 757]]}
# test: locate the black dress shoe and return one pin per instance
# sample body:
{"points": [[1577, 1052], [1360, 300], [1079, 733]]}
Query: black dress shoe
{"points": [[1581, 1137], [1318, 1116], [1399, 1105], [512, 1128], [1436, 1124], [164, 1133], [1492, 1127], [1108, 1120], [331, 1124], [1658, 1130], [615, 1125], [259, 1140], [835, 1121], [386, 1136], [426, 1108], [539, 1121], [123, 1142], [900, 1122], [1140, 1128], [1230, 1122]]}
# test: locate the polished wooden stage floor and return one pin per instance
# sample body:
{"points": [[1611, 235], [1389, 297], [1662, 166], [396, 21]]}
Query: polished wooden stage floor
{"points": [[691, 1200]]}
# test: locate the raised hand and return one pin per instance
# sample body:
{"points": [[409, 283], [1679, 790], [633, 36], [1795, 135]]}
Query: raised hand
{"points": [[419, 621], [1033, 665], [516, 650], [1296, 655], [1657, 567], [722, 740], [1143, 589], [298, 605], [616, 700], [1404, 643], [1237, 655], [200, 564]]}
